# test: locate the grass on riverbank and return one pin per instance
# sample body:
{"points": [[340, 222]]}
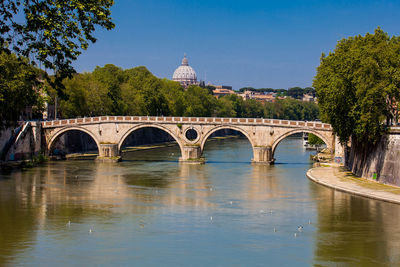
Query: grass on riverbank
{"points": [[345, 175]]}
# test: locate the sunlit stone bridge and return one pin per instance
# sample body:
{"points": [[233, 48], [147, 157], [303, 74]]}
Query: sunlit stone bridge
{"points": [[190, 133]]}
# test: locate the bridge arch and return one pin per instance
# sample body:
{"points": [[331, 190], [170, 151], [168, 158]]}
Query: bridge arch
{"points": [[324, 138], [75, 128], [137, 127], [223, 127]]}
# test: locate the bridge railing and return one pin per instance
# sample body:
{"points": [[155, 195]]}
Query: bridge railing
{"points": [[186, 120]]}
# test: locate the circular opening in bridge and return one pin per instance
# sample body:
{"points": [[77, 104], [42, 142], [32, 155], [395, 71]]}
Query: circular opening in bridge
{"points": [[191, 134]]}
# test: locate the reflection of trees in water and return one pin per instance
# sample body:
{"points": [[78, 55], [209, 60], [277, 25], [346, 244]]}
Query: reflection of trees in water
{"points": [[43, 198], [191, 188], [18, 215], [354, 230], [46, 198], [264, 185], [170, 153]]}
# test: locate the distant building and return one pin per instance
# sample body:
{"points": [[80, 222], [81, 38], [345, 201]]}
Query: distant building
{"points": [[247, 95], [258, 96], [308, 98], [185, 74], [227, 87], [222, 90]]}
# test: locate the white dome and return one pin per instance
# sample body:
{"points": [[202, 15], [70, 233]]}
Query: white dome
{"points": [[185, 74]]}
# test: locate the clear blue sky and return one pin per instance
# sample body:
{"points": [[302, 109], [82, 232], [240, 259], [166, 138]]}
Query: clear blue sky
{"points": [[240, 43]]}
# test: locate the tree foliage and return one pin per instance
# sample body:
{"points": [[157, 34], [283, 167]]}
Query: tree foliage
{"points": [[292, 109], [19, 87], [358, 85], [315, 140], [110, 90], [298, 92], [52, 32]]}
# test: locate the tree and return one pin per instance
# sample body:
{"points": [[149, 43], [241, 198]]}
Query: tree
{"points": [[291, 109], [174, 95], [225, 107], [295, 92], [237, 103], [19, 87], [252, 109], [111, 77], [52, 32], [198, 102], [142, 93], [86, 96], [315, 140], [358, 85], [210, 89]]}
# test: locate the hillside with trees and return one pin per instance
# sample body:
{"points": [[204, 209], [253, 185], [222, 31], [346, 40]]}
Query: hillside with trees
{"points": [[110, 90]]}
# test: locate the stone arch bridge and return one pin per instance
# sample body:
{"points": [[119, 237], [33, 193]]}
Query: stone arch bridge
{"points": [[191, 133]]}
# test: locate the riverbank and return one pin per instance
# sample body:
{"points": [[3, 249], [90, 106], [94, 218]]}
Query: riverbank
{"points": [[8, 166], [339, 178]]}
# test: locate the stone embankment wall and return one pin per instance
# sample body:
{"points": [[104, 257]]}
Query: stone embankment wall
{"points": [[22, 142], [380, 162], [5, 137]]}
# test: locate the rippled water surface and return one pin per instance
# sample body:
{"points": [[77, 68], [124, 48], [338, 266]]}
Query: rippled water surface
{"points": [[150, 210]]}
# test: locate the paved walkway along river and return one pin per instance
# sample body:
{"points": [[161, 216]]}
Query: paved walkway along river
{"points": [[340, 179]]}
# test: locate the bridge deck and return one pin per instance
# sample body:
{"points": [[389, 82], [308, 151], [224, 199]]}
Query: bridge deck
{"points": [[187, 120]]}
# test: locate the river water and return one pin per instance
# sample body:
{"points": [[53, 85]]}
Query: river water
{"points": [[150, 210]]}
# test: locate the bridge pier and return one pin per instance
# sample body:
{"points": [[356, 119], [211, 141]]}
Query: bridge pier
{"points": [[263, 155], [191, 154], [109, 153]]}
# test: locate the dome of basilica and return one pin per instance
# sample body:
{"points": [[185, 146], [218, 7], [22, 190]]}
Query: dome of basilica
{"points": [[185, 74]]}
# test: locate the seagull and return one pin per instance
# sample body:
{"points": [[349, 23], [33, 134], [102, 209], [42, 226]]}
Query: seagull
{"points": [[295, 234], [274, 229], [270, 211], [90, 230], [211, 218], [231, 202], [69, 223], [309, 221]]}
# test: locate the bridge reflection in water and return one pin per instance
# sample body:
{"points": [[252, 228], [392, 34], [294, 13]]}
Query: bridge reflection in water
{"points": [[161, 212]]}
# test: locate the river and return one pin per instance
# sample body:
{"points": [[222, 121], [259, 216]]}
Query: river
{"points": [[151, 210]]}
